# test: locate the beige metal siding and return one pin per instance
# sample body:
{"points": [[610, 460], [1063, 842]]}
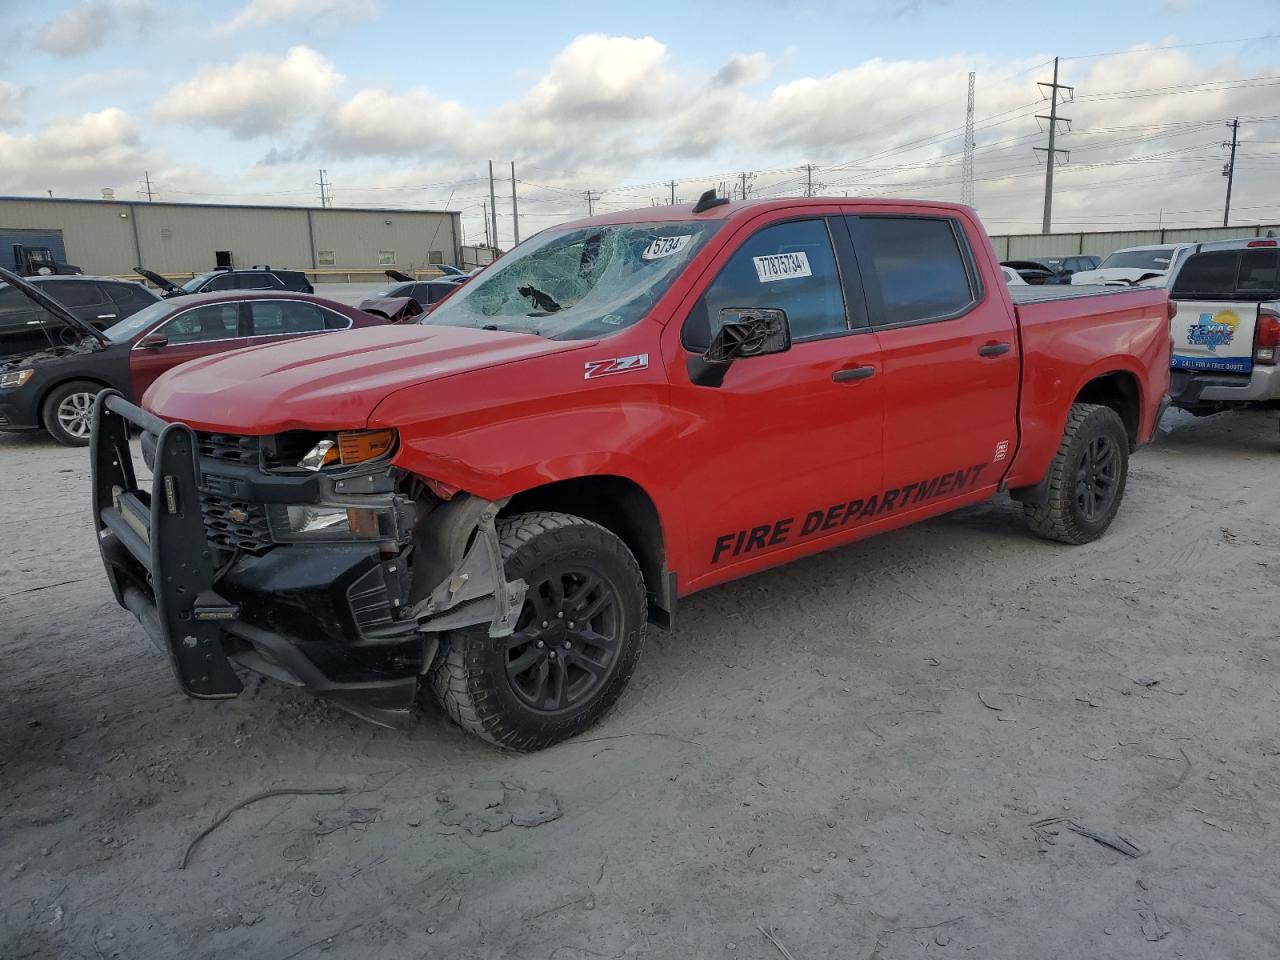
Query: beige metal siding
{"points": [[98, 236], [1022, 246], [177, 239], [357, 237]]}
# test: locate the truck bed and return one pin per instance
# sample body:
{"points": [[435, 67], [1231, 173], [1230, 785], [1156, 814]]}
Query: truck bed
{"points": [[1037, 294]]}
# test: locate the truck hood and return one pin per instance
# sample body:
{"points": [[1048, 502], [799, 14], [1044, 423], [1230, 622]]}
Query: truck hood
{"points": [[1114, 275], [329, 382]]}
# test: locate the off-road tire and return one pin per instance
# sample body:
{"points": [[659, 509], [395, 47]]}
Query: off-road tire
{"points": [[64, 392], [469, 676], [1061, 516]]}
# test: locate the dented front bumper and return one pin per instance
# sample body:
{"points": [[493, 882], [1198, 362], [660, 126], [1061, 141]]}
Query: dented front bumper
{"points": [[348, 621]]}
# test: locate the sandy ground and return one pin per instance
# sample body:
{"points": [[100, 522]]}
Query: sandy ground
{"points": [[848, 753]]}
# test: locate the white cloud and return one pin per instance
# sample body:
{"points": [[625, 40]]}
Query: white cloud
{"points": [[78, 31], [257, 94], [257, 13], [79, 153], [10, 104], [102, 81], [87, 26], [743, 69]]}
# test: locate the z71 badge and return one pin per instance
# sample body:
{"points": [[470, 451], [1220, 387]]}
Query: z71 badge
{"points": [[603, 368]]}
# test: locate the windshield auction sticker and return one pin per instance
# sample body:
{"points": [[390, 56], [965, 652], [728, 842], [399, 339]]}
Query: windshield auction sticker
{"points": [[661, 247], [782, 266]]}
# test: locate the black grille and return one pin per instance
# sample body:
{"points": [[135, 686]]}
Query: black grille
{"points": [[228, 447], [236, 524]]}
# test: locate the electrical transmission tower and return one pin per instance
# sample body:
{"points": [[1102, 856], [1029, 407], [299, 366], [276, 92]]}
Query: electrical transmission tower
{"points": [[966, 171], [1051, 152]]}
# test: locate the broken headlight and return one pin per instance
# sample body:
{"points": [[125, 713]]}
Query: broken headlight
{"points": [[349, 447], [328, 523]]}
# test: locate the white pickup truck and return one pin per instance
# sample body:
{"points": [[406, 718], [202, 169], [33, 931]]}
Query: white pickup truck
{"points": [[1226, 333]]}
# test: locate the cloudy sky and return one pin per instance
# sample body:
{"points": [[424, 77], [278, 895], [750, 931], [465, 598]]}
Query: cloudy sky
{"points": [[404, 104]]}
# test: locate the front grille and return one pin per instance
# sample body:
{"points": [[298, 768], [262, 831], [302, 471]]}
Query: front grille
{"points": [[236, 524], [228, 447]]}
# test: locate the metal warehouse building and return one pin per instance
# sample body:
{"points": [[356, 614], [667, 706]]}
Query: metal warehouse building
{"points": [[110, 237]]}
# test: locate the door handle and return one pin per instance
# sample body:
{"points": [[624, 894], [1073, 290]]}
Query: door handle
{"points": [[106, 316], [849, 374], [993, 349]]}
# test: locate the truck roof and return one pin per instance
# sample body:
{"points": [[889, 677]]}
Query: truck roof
{"points": [[738, 208]]}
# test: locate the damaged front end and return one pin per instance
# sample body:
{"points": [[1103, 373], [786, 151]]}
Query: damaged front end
{"points": [[311, 561]]}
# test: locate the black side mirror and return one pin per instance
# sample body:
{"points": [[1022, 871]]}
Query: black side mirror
{"points": [[744, 332], [153, 341]]}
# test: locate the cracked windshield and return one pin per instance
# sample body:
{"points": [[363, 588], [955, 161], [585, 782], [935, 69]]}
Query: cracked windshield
{"points": [[577, 284]]}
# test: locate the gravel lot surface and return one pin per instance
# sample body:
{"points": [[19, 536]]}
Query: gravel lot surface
{"points": [[876, 753]]}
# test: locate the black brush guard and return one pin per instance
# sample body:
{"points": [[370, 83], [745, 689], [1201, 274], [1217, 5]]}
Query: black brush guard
{"points": [[162, 531], [164, 571]]}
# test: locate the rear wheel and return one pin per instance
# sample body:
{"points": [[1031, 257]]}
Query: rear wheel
{"points": [[68, 412], [1086, 478], [576, 643]]}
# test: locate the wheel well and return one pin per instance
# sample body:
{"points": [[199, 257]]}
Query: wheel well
{"points": [[622, 507], [62, 383], [1119, 391]]}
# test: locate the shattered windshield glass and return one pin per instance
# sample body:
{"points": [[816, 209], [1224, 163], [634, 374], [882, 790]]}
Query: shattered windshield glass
{"points": [[577, 283]]}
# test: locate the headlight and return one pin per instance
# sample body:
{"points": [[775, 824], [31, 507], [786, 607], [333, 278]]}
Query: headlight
{"points": [[323, 522], [15, 378], [349, 447]]}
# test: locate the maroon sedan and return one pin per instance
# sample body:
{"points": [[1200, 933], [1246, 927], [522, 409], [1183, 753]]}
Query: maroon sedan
{"points": [[54, 388]]}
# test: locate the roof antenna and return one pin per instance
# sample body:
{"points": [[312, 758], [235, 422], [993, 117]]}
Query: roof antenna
{"points": [[708, 200]]}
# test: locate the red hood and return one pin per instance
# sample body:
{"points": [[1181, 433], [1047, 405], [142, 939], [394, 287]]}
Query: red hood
{"points": [[328, 382]]}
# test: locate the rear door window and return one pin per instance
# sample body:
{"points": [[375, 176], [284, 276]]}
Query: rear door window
{"points": [[285, 317], [129, 297], [73, 293], [917, 263], [789, 265], [225, 281], [258, 281]]}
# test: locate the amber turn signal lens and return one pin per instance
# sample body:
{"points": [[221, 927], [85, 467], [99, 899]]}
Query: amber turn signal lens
{"points": [[357, 446]]}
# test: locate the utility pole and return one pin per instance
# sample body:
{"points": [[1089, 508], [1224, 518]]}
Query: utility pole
{"points": [[515, 213], [966, 171], [146, 180], [808, 181], [325, 200], [1229, 171], [1051, 152], [484, 207], [493, 207], [743, 178], [592, 197], [672, 185]]}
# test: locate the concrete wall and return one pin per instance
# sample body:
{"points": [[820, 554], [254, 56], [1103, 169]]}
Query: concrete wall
{"points": [[111, 237], [1023, 245]]}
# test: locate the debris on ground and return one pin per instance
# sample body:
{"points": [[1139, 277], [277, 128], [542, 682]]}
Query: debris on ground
{"points": [[488, 806], [1047, 836]]}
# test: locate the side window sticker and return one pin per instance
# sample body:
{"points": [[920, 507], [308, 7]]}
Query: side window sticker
{"points": [[782, 266]]}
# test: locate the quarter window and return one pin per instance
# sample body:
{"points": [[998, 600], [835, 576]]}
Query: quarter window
{"points": [[922, 271], [218, 321], [790, 266]]}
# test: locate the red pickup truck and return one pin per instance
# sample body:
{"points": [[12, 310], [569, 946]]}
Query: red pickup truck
{"points": [[619, 413]]}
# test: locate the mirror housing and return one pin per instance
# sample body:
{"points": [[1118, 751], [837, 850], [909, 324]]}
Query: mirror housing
{"points": [[744, 332], [153, 341]]}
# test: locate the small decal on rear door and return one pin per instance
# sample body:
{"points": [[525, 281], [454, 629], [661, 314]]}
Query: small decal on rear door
{"points": [[603, 368], [782, 266], [1002, 451]]}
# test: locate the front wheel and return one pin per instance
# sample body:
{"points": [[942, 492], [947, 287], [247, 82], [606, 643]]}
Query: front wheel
{"points": [[576, 642], [68, 412], [1086, 478]]}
